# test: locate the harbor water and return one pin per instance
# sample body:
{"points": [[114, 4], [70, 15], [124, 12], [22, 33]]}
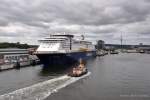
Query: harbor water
{"points": [[112, 77]]}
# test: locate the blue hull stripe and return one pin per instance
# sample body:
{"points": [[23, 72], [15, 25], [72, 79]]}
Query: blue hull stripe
{"points": [[69, 58]]}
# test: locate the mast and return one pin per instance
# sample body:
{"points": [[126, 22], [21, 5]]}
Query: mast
{"points": [[121, 41]]}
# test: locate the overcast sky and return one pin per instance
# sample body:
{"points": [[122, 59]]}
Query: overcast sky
{"points": [[27, 21]]}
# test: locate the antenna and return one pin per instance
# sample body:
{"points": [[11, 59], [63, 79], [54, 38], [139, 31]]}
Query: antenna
{"points": [[121, 39]]}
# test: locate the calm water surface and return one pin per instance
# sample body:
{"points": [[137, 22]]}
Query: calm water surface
{"points": [[114, 77]]}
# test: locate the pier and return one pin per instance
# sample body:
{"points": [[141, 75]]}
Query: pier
{"points": [[16, 58]]}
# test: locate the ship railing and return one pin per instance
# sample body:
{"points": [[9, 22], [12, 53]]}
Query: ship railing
{"points": [[40, 52]]}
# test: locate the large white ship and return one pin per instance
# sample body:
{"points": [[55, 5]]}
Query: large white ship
{"points": [[64, 49]]}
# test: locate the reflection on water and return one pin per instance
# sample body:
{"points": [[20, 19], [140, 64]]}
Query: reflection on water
{"points": [[55, 70]]}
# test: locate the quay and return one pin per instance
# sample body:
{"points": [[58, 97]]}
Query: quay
{"points": [[16, 58], [103, 49]]}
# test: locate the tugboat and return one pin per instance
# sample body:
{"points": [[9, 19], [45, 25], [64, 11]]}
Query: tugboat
{"points": [[79, 70]]}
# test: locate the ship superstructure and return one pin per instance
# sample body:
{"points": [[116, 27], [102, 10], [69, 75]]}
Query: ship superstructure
{"points": [[63, 48]]}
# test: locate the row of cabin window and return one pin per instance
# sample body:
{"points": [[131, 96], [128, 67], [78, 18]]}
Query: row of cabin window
{"points": [[51, 41], [16, 57], [81, 42], [47, 46], [76, 42]]}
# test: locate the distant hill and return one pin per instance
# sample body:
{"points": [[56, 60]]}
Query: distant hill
{"points": [[16, 45]]}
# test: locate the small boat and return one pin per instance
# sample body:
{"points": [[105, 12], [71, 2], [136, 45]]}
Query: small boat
{"points": [[114, 52]]}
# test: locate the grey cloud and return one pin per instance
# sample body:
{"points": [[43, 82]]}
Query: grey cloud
{"points": [[10, 35], [71, 12], [83, 13], [98, 17]]}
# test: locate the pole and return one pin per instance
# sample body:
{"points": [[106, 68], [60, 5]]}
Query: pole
{"points": [[121, 40]]}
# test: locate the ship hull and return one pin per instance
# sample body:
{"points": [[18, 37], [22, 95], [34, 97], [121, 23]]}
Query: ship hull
{"points": [[64, 59]]}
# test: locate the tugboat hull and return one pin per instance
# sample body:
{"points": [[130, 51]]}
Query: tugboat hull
{"points": [[78, 75]]}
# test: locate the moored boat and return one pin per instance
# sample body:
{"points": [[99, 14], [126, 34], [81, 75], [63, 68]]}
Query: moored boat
{"points": [[114, 52]]}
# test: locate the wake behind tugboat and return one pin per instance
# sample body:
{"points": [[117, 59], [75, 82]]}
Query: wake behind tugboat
{"points": [[42, 90]]}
